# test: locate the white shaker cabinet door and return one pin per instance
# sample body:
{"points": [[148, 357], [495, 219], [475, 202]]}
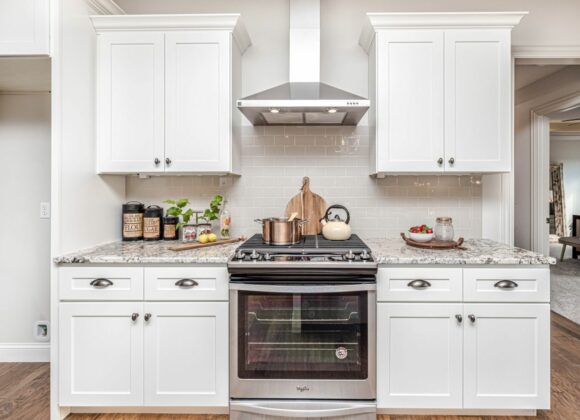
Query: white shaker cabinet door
{"points": [[477, 101], [101, 354], [198, 101], [419, 355], [507, 356], [410, 101], [186, 354], [130, 108], [24, 27]]}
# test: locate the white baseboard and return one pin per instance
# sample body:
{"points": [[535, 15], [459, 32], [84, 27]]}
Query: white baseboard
{"points": [[24, 352]]}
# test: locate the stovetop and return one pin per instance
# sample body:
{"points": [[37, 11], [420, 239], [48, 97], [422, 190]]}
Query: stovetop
{"points": [[314, 255]]}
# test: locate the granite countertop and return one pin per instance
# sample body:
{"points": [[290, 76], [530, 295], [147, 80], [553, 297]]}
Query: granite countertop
{"points": [[386, 251]]}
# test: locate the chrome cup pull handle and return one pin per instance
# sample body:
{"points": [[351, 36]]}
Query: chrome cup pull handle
{"points": [[101, 283], [419, 284], [506, 284], [186, 283]]}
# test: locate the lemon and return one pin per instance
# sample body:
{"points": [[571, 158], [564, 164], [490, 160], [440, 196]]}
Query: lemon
{"points": [[203, 238], [212, 237]]}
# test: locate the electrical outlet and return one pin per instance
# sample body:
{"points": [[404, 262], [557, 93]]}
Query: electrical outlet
{"points": [[42, 330], [44, 210]]}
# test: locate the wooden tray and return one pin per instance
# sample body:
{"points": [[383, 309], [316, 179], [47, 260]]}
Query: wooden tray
{"points": [[434, 244], [196, 245]]}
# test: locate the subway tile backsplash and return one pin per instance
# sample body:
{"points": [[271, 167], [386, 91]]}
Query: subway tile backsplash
{"points": [[274, 160]]}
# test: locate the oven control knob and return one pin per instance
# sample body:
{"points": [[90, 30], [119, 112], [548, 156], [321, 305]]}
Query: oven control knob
{"points": [[254, 255], [239, 255], [364, 255], [349, 256], [267, 256]]}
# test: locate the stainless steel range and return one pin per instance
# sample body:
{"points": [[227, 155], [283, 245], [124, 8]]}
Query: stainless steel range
{"points": [[302, 330]]}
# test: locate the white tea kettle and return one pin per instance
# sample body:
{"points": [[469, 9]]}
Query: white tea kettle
{"points": [[334, 228]]}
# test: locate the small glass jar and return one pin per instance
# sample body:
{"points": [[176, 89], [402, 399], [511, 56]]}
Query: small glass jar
{"points": [[189, 233], [203, 229], [225, 223], [444, 229]]}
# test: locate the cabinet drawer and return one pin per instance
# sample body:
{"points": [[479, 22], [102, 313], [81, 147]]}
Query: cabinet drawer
{"points": [[101, 283], [506, 284], [189, 283], [419, 284]]}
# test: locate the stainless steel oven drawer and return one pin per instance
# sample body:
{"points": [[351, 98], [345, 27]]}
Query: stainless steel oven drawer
{"points": [[286, 410]]}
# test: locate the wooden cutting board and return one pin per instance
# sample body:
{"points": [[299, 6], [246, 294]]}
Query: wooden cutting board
{"points": [[309, 206], [196, 245]]}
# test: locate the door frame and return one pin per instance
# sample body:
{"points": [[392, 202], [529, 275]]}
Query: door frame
{"points": [[540, 137]]}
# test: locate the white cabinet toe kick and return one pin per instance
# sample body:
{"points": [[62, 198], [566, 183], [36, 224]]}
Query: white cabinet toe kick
{"points": [[470, 340]]}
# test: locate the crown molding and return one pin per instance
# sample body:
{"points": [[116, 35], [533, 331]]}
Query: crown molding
{"points": [[442, 20], [104, 7], [546, 51], [230, 22]]}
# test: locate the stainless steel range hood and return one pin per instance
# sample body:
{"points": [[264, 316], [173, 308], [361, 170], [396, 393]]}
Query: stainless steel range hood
{"points": [[304, 100]]}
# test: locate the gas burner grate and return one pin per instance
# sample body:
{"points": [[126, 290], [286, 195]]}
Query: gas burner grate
{"points": [[308, 243]]}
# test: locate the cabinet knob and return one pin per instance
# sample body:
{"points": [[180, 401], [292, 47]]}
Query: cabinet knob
{"points": [[101, 283], [157, 161], [451, 161], [134, 316], [147, 317], [471, 318], [459, 318], [440, 161], [168, 161]]}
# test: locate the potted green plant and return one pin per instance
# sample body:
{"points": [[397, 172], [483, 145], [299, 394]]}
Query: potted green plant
{"points": [[212, 213]]}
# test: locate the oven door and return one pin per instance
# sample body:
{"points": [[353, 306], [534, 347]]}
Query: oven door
{"points": [[307, 341]]}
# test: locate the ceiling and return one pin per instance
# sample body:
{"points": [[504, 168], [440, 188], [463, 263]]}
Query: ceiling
{"points": [[528, 74], [559, 121], [25, 74]]}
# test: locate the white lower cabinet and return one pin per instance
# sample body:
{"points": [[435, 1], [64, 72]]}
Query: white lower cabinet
{"points": [[101, 354], [419, 355], [186, 353], [507, 353]]}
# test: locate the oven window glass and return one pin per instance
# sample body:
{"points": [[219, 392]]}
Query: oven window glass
{"points": [[301, 336]]}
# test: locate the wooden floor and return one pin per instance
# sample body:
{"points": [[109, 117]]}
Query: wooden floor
{"points": [[24, 387]]}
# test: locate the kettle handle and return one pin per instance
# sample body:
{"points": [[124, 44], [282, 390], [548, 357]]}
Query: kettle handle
{"points": [[337, 206]]}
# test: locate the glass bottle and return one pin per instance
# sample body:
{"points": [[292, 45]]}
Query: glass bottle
{"points": [[225, 222]]}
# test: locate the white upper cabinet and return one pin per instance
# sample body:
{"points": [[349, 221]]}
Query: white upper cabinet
{"points": [[410, 106], [478, 101], [24, 27], [167, 87], [197, 95], [442, 89], [130, 106]]}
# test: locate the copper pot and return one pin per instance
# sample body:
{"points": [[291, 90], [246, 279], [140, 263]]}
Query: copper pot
{"points": [[281, 231]]}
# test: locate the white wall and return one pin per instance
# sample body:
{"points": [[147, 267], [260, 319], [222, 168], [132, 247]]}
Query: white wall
{"points": [[343, 62], [25, 238], [89, 204], [568, 153], [555, 86]]}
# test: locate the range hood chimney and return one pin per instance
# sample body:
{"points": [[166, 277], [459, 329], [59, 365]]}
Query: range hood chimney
{"points": [[304, 100]]}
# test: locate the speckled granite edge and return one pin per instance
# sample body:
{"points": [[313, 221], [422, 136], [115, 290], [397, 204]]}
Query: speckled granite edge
{"points": [[386, 251]]}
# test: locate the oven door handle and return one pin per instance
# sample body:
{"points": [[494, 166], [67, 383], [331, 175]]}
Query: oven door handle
{"points": [[303, 288], [303, 409]]}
